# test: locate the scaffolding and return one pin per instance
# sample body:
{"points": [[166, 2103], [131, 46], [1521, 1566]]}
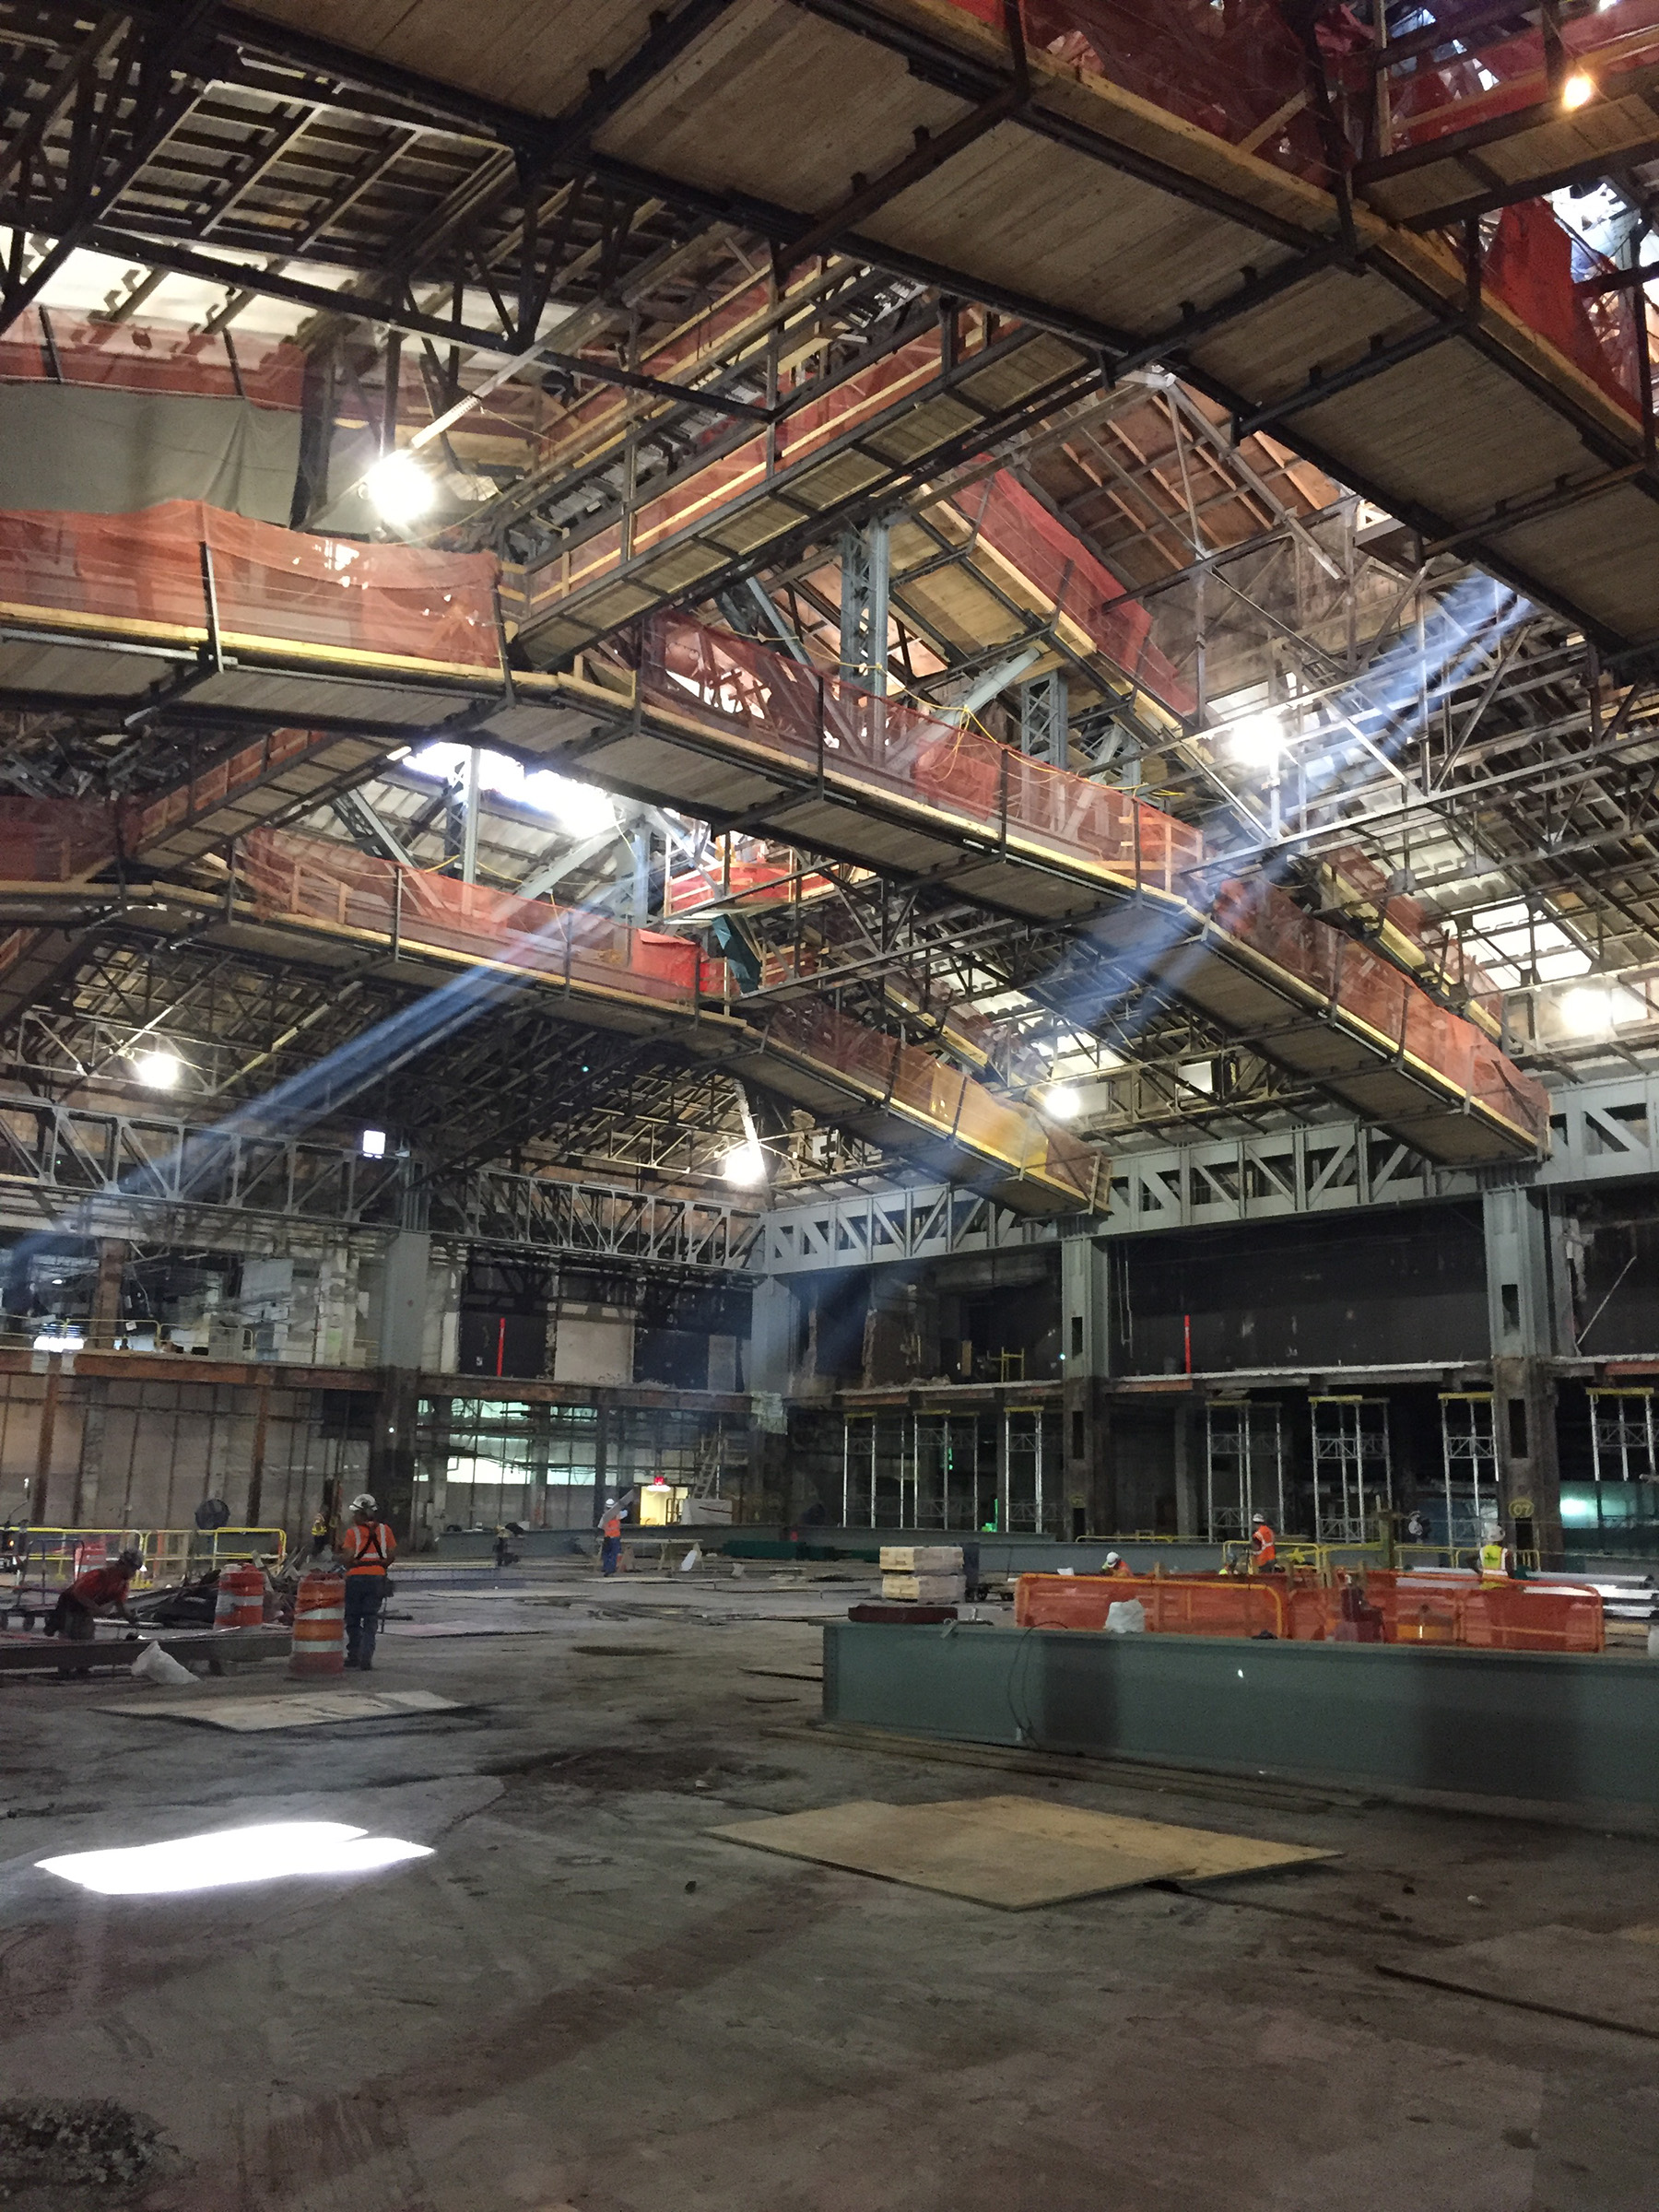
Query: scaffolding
{"points": [[1353, 1476], [939, 1470], [1621, 1435], [1469, 1467], [1244, 1466]]}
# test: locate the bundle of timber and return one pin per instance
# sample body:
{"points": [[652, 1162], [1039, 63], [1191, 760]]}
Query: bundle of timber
{"points": [[923, 1574]]}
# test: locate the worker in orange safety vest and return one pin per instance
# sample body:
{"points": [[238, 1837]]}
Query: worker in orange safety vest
{"points": [[368, 1547], [1264, 1546], [1115, 1563], [610, 1533]]}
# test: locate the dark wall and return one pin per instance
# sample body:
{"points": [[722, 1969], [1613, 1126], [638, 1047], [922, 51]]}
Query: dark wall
{"points": [[1361, 1290]]}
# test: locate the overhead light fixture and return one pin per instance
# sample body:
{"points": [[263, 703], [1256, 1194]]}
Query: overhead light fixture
{"points": [[1063, 1102], [372, 1143], [399, 489], [1578, 90], [158, 1071], [745, 1165], [230, 1856], [1258, 739], [1587, 1010]]}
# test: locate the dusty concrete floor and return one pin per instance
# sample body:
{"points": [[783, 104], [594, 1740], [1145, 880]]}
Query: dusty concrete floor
{"points": [[581, 2000]]}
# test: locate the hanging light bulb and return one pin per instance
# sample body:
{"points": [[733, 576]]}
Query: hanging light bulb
{"points": [[1578, 90], [399, 488]]}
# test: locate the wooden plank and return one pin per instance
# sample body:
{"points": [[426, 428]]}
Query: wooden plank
{"points": [[1014, 1852]]}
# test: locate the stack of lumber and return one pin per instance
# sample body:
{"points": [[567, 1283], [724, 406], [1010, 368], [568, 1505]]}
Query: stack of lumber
{"points": [[923, 1574]]}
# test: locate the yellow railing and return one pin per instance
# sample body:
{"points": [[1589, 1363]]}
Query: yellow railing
{"points": [[55, 1556], [1456, 1555], [1322, 1557]]}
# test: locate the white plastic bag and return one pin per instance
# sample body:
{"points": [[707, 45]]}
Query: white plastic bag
{"points": [[154, 1665], [691, 1559], [1127, 1616]]}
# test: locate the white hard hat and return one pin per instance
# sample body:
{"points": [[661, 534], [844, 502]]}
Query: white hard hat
{"points": [[1261, 1517], [1114, 1559], [362, 1504]]}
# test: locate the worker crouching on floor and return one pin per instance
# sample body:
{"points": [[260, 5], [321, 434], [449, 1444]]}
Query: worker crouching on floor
{"points": [[99, 1588], [368, 1547]]}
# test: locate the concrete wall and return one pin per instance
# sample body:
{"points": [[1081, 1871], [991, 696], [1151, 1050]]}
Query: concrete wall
{"points": [[145, 1454]]}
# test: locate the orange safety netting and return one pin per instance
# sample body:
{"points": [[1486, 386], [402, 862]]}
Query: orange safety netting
{"points": [[1402, 1019], [962, 1111], [140, 357], [1201, 1605], [1493, 1616], [746, 883], [822, 719], [54, 840], [271, 586], [1444, 953], [334, 883], [1061, 570], [760, 462], [1498, 68], [1233, 67]]}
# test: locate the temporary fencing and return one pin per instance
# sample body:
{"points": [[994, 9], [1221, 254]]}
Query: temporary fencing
{"points": [[912, 1081], [1060, 571], [248, 585], [1371, 990], [333, 883], [1506, 1616], [838, 728], [1240, 73]]}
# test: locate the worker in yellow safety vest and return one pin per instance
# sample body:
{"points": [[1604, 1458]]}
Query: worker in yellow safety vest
{"points": [[1494, 1558], [1264, 1546]]}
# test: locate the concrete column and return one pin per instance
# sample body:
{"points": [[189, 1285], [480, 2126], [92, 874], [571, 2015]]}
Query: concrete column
{"points": [[1529, 1302], [1189, 1451], [392, 1454], [771, 1363], [1085, 1363], [106, 1291]]}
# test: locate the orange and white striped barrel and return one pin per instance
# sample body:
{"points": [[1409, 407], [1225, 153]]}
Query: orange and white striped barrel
{"points": [[319, 1626], [241, 1601]]}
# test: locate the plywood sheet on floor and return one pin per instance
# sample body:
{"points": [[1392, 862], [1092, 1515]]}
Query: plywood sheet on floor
{"points": [[1013, 1852], [297, 1709], [1569, 1972]]}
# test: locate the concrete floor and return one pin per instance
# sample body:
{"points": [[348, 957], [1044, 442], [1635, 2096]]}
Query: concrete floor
{"points": [[581, 2000]]}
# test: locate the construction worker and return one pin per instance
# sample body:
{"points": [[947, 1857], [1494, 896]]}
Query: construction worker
{"points": [[321, 1534], [1264, 1546], [1115, 1563], [87, 1595], [1494, 1558], [368, 1546], [610, 1535]]}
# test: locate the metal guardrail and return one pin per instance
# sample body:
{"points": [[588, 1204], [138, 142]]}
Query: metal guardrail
{"points": [[52, 1558]]}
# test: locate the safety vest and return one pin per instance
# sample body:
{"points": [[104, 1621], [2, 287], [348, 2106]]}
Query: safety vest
{"points": [[1263, 1551], [612, 1526], [368, 1548], [1493, 1559]]}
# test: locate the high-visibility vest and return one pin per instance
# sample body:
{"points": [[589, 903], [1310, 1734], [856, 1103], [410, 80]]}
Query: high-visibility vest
{"points": [[612, 1528], [1493, 1559], [368, 1547], [1263, 1551]]}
